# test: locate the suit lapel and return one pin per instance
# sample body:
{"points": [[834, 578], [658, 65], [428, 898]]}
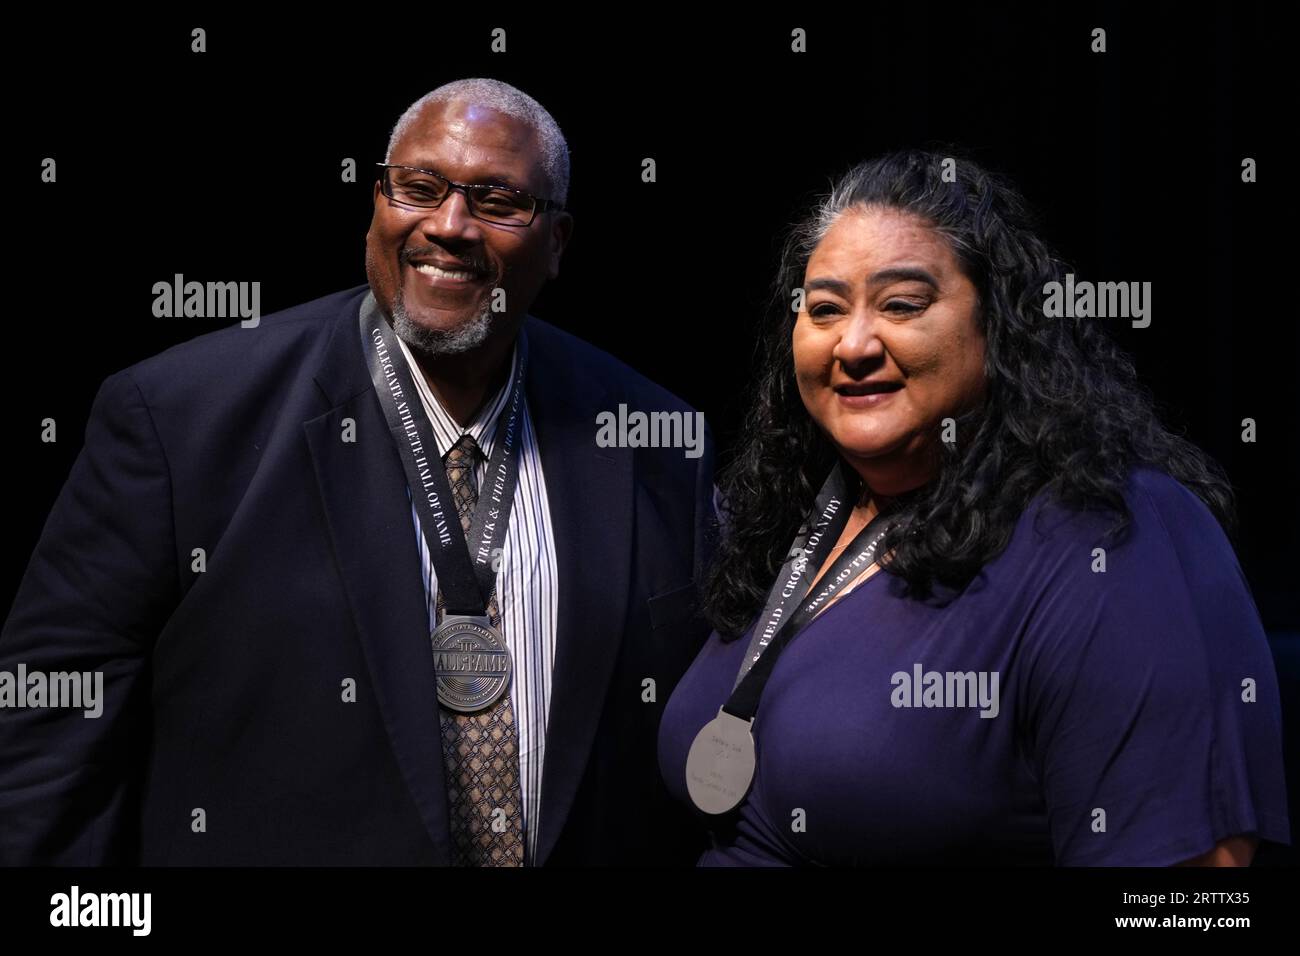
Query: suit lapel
{"points": [[369, 521], [589, 490]]}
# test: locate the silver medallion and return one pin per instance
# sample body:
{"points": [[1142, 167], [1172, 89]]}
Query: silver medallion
{"points": [[720, 765], [472, 662]]}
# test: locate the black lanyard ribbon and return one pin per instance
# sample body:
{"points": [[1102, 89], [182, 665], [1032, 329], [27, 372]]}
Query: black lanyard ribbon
{"points": [[777, 626], [466, 575]]}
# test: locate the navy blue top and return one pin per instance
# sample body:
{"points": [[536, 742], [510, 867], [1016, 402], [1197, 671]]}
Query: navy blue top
{"points": [[1050, 713]]}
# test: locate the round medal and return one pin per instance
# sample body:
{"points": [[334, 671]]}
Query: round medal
{"points": [[720, 765], [472, 662]]}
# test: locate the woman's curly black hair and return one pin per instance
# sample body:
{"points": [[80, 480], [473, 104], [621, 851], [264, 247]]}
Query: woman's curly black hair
{"points": [[1064, 412]]}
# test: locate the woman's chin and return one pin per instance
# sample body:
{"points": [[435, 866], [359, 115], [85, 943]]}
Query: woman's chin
{"points": [[858, 447]]}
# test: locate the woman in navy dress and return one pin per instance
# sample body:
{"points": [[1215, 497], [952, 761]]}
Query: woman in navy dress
{"points": [[1049, 655]]}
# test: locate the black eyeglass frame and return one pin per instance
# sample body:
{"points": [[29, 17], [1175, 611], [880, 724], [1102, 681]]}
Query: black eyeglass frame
{"points": [[539, 204]]}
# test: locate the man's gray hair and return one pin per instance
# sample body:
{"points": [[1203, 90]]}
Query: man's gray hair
{"points": [[503, 98]]}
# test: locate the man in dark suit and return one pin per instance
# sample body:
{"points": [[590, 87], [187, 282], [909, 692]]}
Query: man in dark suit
{"points": [[238, 554]]}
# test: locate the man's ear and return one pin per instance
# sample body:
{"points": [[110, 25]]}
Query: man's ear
{"points": [[374, 199], [561, 233]]}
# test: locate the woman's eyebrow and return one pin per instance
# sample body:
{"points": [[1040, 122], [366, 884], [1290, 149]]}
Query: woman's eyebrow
{"points": [[903, 274], [896, 274], [838, 286]]}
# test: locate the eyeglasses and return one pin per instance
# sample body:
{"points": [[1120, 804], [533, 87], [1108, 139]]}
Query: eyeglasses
{"points": [[425, 189]]}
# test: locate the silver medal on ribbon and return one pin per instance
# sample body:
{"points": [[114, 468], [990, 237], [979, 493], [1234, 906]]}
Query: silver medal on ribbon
{"points": [[472, 661], [720, 765]]}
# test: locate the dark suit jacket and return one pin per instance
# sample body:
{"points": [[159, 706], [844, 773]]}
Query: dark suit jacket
{"points": [[224, 688]]}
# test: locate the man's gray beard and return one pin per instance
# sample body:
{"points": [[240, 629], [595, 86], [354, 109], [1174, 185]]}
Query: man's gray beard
{"points": [[425, 341]]}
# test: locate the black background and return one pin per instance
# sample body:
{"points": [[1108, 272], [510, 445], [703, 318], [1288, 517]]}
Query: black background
{"points": [[167, 164]]}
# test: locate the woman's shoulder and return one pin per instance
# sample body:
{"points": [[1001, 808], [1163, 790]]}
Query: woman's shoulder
{"points": [[1170, 549], [1182, 515], [1167, 587], [1163, 513]]}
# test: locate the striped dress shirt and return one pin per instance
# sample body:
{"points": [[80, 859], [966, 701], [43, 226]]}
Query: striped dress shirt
{"points": [[526, 584]]}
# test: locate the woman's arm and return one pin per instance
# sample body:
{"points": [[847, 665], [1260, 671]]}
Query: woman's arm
{"points": [[1234, 851]]}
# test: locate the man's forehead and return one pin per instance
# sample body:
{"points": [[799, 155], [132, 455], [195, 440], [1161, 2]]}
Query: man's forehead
{"points": [[470, 138]]}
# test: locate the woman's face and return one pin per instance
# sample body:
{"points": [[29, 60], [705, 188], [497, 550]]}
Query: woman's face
{"points": [[887, 344]]}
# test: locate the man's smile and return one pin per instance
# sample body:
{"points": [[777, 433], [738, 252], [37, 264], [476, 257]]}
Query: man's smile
{"points": [[440, 277]]}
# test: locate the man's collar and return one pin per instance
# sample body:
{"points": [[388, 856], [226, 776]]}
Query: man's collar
{"points": [[482, 427]]}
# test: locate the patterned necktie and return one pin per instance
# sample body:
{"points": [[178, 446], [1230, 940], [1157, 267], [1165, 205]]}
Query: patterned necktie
{"points": [[481, 750]]}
